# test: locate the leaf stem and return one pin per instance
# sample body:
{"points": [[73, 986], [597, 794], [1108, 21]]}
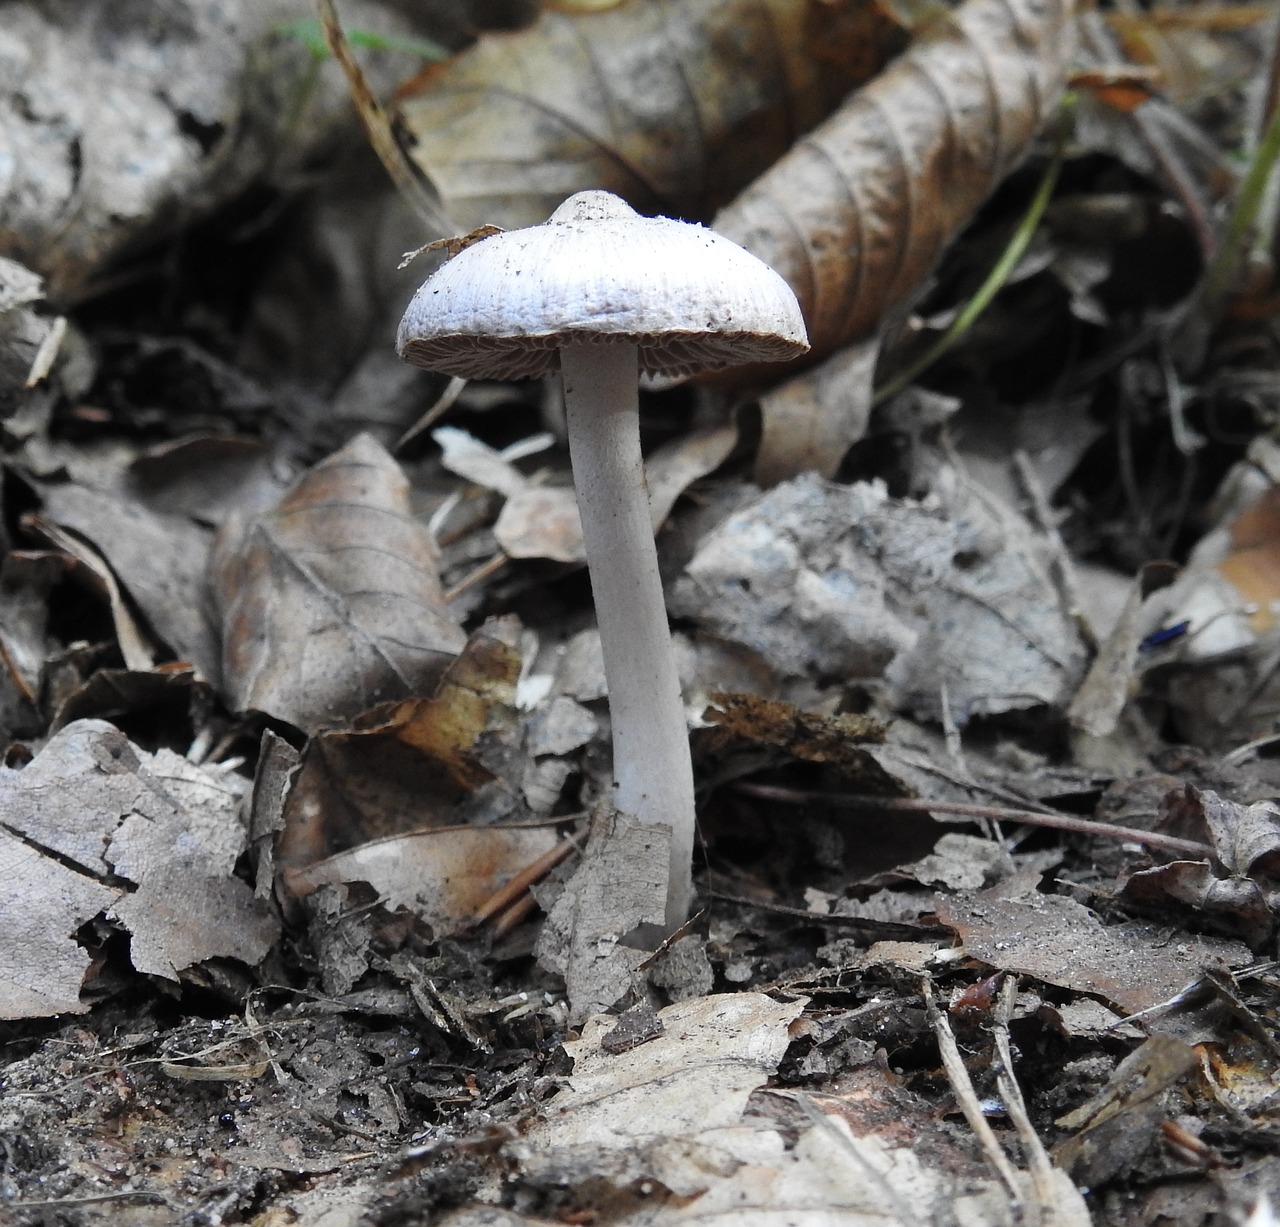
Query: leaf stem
{"points": [[1244, 215]]}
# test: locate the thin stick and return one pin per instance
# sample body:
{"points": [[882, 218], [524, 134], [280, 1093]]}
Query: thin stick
{"points": [[481, 573], [508, 894], [995, 813], [444, 402], [967, 1097], [378, 127], [504, 922], [888, 929], [1040, 1166]]}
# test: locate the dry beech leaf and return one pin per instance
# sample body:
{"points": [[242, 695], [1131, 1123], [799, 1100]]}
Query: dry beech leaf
{"points": [[857, 213], [443, 875], [166, 834], [673, 107], [406, 765], [331, 603]]}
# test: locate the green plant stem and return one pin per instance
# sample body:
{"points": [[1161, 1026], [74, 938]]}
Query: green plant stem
{"points": [[999, 274], [1244, 215]]}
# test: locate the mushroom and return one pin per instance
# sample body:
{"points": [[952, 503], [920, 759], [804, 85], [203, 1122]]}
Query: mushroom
{"points": [[603, 293]]}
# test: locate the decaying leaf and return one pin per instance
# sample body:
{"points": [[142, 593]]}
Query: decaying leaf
{"points": [[90, 805], [43, 904], [136, 646], [140, 123], [610, 897], [1242, 888], [442, 875], [668, 1116], [812, 420], [541, 521], [672, 107], [824, 579], [857, 213], [404, 766], [160, 560], [26, 580], [807, 735], [1120, 1123], [697, 1075], [1061, 942], [331, 603], [1097, 705]]}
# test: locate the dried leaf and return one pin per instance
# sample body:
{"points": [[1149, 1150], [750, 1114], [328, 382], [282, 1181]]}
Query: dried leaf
{"points": [[837, 740], [1060, 941], [610, 897], [169, 828], [859, 210], [1245, 838], [542, 521], [442, 876], [1097, 705], [811, 421], [1118, 1125], [697, 1075], [672, 107], [407, 765], [1246, 844], [332, 602], [1238, 901], [136, 646], [26, 580], [160, 560], [820, 578], [42, 906]]}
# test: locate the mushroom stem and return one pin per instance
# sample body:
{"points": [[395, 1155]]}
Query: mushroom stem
{"points": [[653, 773]]}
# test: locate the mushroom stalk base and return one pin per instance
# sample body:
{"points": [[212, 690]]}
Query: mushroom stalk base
{"points": [[653, 773]]}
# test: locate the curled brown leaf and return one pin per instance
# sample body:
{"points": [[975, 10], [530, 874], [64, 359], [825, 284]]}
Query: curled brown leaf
{"points": [[331, 602], [857, 213]]}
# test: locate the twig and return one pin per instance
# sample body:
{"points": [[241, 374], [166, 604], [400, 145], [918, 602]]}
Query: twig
{"points": [[995, 813], [888, 929], [503, 898], [58, 1203], [444, 402], [967, 1097], [378, 126], [479, 575], [1040, 1166], [1064, 568]]}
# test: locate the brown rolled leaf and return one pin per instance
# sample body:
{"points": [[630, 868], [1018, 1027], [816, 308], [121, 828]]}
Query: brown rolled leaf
{"points": [[331, 603], [857, 213], [674, 107]]}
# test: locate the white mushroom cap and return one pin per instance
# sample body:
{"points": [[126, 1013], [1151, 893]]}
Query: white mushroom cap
{"points": [[597, 271]]}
